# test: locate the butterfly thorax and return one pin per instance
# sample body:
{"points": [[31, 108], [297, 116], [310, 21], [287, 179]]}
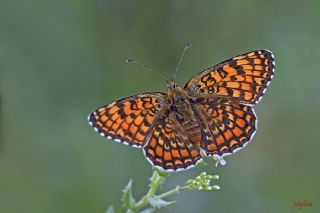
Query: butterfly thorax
{"points": [[184, 115]]}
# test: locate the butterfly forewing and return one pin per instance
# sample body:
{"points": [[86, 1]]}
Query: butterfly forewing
{"points": [[128, 120], [243, 78]]}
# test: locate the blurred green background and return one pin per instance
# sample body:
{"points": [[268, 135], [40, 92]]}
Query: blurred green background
{"points": [[59, 60]]}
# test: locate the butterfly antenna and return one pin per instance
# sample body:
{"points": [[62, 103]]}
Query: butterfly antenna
{"points": [[174, 75], [146, 68]]}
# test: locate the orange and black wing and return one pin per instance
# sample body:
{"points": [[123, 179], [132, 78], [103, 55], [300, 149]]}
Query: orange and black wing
{"points": [[227, 126], [169, 148], [128, 120], [243, 78]]}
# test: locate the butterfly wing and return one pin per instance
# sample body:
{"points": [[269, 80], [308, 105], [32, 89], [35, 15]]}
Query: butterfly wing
{"points": [[169, 147], [128, 120], [227, 126], [243, 78]]}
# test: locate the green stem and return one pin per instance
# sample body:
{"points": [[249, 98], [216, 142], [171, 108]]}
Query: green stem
{"points": [[177, 190], [155, 183], [139, 205]]}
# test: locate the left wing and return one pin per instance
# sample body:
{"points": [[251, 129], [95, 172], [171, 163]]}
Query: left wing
{"points": [[128, 120]]}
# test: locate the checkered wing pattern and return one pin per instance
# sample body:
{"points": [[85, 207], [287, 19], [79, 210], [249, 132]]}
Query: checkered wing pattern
{"points": [[227, 126], [169, 148], [128, 120], [243, 78]]}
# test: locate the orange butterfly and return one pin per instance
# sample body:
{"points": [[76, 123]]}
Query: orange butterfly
{"points": [[212, 112]]}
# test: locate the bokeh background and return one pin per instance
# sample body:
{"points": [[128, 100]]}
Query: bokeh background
{"points": [[59, 60]]}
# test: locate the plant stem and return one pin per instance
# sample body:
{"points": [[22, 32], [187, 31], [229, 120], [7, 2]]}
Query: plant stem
{"points": [[177, 190], [142, 203], [156, 181]]}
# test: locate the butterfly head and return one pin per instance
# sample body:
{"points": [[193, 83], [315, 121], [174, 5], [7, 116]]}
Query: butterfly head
{"points": [[177, 95], [171, 85]]}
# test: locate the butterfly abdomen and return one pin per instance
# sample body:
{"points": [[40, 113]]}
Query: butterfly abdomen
{"points": [[187, 120], [184, 115], [193, 130]]}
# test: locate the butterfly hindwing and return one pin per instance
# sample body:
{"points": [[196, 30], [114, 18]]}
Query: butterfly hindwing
{"points": [[169, 148], [128, 120], [243, 78], [228, 126]]}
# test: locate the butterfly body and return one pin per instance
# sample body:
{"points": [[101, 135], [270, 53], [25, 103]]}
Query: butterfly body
{"points": [[184, 114], [213, 112]]}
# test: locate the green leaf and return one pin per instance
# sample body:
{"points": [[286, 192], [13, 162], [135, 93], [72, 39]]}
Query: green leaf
{"points": [[110, 210], [159, 203], [127, 198]]}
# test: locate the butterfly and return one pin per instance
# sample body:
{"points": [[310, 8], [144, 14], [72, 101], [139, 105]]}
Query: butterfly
{"points": [[212, 115]]}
